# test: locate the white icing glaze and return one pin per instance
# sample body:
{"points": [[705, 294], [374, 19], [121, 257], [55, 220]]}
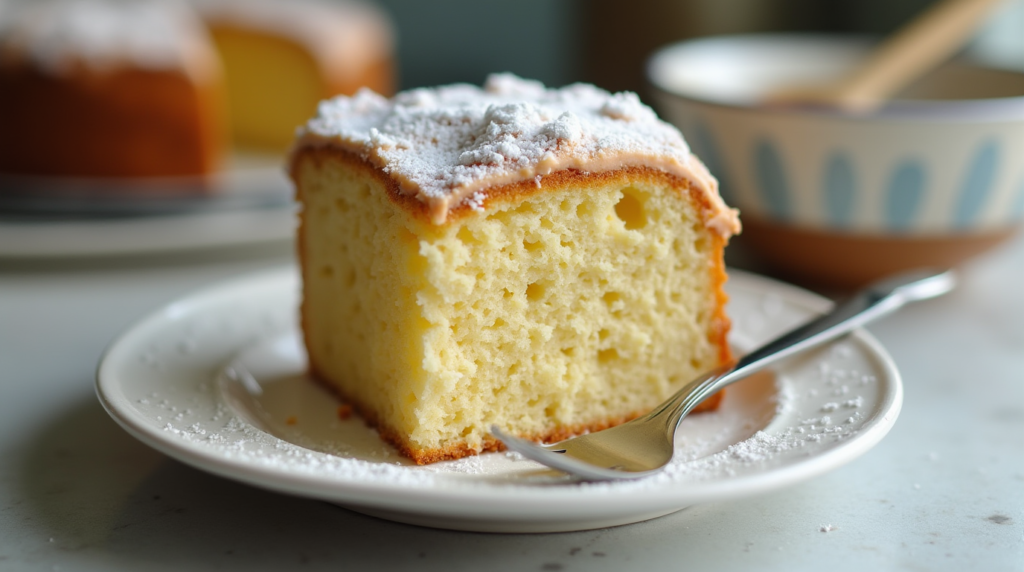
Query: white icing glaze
{"points": [[452, 143], [343, 35], [102, 35]]}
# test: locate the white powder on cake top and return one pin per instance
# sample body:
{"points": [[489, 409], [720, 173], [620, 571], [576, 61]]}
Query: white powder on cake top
{"points": [[445, 144]]}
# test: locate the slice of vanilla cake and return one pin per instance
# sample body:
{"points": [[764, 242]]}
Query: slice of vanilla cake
{"points": [[546, 260]]}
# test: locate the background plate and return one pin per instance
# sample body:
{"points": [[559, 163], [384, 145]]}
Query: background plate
{"points": [[249, 203]]}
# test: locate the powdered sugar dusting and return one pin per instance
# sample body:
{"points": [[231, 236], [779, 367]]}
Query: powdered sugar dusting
{"points": [[237, 440], [476, 201], [445, 144]]}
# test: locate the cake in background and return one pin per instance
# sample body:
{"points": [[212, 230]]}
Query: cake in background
{"points": [[102, 89], [282, 57], [547, 260], [140, 89]]}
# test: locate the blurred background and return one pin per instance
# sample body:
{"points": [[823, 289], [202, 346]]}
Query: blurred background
{"points": [[602, 42], [130, 150]]}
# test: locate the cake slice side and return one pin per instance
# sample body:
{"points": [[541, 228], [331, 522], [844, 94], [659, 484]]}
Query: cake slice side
{"points": [[568, 303]]}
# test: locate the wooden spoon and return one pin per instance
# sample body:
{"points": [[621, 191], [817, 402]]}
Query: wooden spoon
{"points": [[917, 48]]}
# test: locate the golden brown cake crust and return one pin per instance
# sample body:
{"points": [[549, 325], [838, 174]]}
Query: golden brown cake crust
{"points": [[451, 145], [720, 322], [514, 191]]}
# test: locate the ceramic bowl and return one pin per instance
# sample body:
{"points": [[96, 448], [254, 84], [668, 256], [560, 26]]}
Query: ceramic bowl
{"points": [[934, 177]]}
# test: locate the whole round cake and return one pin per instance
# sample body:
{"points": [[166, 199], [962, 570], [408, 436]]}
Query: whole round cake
{"points": [[103, 89]]}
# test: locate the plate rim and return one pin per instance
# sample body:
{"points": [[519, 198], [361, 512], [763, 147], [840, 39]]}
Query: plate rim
{"points": [[480, 500], [157, 235]]}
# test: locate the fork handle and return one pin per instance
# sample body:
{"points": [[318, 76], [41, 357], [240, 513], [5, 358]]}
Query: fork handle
{"points": [[871, 303]]}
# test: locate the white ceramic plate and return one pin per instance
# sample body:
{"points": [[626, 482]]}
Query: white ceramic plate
{"points": [[47, 218], [217, 381]]}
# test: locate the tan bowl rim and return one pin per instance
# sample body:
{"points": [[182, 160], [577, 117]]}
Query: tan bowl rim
{"points": [[938, 111]]}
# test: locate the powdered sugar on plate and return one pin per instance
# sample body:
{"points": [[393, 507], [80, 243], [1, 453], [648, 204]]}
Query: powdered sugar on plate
{"points": [[284, 432], [746, 433]]}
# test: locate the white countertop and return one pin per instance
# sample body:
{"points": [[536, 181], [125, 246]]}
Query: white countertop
{"points": [[943, 491]]}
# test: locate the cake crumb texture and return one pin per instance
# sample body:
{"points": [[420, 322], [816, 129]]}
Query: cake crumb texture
{"points": [[550, 307]]}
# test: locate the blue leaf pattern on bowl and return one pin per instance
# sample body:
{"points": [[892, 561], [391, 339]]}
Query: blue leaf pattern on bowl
{"points": [[977, 185], [903, 195], [771, 177], [840, 190]]}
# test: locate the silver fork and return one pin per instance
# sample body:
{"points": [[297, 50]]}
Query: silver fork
{"points": [[644, 446]]}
